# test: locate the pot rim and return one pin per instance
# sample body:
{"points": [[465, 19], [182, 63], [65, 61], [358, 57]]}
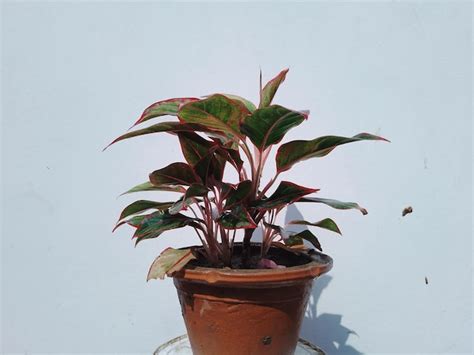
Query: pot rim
{"points": [[320, 264]]}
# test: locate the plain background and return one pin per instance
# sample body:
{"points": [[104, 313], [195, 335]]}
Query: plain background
{"points": [[77, 74]]}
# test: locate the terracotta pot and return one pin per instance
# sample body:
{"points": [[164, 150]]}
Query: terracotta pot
{"points": [[247, 312]]}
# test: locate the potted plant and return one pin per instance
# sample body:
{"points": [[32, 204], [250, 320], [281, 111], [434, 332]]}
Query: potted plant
{"points": [[236, 297]]}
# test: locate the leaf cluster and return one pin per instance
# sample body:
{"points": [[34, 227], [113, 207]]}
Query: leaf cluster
{"points": [[223, 131]]}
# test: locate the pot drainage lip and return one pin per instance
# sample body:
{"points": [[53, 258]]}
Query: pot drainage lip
{"points": [[180, 346]]}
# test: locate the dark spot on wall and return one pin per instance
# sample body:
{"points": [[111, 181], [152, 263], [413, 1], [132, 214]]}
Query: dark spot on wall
{"points": [[407, 210]]}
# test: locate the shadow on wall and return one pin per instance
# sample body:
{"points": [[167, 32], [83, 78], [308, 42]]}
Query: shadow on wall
{"points": [[324, 330]]}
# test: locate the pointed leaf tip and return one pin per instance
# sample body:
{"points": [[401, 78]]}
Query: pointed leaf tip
{"points": [[326, 223], [162, 108], [340, 205], [270, 89], [290, 153]]}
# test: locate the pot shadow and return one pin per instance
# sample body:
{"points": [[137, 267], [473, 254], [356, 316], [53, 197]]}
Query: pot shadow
{"points": [[324, 330]]}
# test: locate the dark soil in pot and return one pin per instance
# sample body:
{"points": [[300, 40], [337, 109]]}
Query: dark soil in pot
{"points": [[250, 311], [278, 255]]}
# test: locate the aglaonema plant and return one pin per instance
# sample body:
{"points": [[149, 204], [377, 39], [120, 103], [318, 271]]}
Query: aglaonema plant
{"points": [[227, 131]]}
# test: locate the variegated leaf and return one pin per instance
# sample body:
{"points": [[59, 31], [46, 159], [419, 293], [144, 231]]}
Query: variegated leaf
{"points": [[326, 223], [270, 89], [340, 205], [295, 151]]}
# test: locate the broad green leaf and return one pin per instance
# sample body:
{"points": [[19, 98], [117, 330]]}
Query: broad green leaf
{"points": [[310, 237], [286, 193], [148, 186], [162, 108], [270, 89], [210, 169], [216, 112], [236, 218], [295, 151], [156, 223], [168, 262], [219, 163], [335, 204], [192, 192], [232, 156], [268, 125], [144, 205], [167, 127], [226, 189], [194, 147], [237, 195], [326, 223], [174, 174], [248, 104]]}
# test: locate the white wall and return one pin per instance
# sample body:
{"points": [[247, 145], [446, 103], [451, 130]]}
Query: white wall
{"points": [[76, 74]]}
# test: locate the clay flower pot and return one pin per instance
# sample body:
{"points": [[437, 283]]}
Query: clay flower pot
{"points": [[231, 311]]}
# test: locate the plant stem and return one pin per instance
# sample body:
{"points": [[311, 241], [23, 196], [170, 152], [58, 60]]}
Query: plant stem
{"points": [[246, 150], [246, 247], [270, 183]]}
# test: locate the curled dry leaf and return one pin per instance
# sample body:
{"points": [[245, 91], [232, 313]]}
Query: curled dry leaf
{"points": [[168, 262]]}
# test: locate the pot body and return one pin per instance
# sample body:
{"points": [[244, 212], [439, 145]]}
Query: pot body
{"points": [[243, 320], [246, 312]]}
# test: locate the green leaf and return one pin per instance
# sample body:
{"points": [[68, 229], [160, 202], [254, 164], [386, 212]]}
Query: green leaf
{"points": [[192, 192], [295, 151], [279, 230], [165, 107], [335, 204], [226, 189], [167, 127], [194, 147], [207, 157], [216, 112], [267, 126], [248, 104], [143, 205], [237, 195], [326, 223], [134, 222], [210, 169], [232, 156], [174, 174], [293, 240], [168, 262], [148, 186], [236, 218], [310, 237], [286, 193], [153, 225], [270, 89]]}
